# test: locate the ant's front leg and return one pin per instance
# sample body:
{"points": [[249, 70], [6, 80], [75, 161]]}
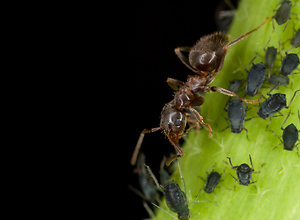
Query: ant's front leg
{"points": [[229, 93], [183, 58], [175, 84], [139, 143]]}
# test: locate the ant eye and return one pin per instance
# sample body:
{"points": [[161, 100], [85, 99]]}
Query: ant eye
{"points": [[177, 122]]}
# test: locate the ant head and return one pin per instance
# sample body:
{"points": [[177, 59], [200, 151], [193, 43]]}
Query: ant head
{"points": [[173, 121]]}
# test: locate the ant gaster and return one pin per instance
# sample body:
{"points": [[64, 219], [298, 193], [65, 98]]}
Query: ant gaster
{"points": [[206, 55]]}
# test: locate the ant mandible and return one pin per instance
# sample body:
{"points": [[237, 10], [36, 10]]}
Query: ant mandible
{"points": [[206, 55]]}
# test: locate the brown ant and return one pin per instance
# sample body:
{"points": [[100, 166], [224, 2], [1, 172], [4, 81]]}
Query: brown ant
{"points": [[206, 55]]}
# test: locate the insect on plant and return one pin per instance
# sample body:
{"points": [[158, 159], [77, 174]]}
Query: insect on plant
{"points": [[205, 56], [290, 135], [175, 198], [274, 103], [244, 172], [283, 13]]}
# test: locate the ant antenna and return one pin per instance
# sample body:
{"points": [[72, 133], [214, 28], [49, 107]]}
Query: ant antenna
{"points": [[245, 35]]}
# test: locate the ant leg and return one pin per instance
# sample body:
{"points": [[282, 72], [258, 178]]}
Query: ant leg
{"points": [[199, 118], [229, 93], [139, 143], [175, 84], [245, 35], [183, 58], [170, 160]]}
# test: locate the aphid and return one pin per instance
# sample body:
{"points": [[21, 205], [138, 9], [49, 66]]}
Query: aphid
{"points": [[212, 180], [270, 57], [207, 55], [235, 85], [289, 64], [236, 115], [280, 80], [255, 78], [290, 135], [295, 42], [175, 198], [148, 187], [244, 172], [273, 104], [283, 13]]}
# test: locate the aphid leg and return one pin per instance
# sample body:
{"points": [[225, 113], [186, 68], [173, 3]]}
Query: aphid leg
{"points": [[246, 133], [236, 180], [285, 120], [269, 93], [287, 24], [245, 35], [175, 84], [260, 168], [139, 143], [183, 58], [229, 93], [292, 98], [232, 167], [199, 118]]}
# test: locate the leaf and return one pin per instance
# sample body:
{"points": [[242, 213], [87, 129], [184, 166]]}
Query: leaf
{"points": [[278, 192]]}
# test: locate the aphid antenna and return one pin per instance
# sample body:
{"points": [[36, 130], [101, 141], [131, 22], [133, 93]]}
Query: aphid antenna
{"points": [[160, 187], [181, 176], [164, 210]]}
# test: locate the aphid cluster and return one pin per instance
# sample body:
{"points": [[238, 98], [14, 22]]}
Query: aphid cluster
{"points": [[179, 115]]}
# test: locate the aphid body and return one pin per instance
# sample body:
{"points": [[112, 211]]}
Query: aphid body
{"points": [[283, 13], [273, 104], [212, 181], [289, 64], [270, 57], [295, 42], [236, 115], [290, 136], [244, 172], [148, 187], [255, 78], [176, 200], [280, 80]]}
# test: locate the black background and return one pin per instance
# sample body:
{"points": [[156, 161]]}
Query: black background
{"points": [[154, 32]]}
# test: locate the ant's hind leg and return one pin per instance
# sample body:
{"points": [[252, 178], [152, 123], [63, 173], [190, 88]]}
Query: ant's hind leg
{"points": [[139, 143]]}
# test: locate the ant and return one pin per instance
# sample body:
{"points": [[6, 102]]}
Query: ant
{"points": [[206, 55]]}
